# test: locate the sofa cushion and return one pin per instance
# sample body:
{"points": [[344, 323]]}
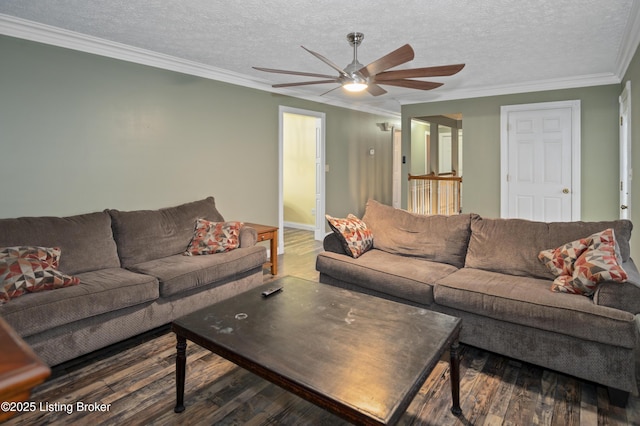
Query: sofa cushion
{"points": [[99, 292], [437, 238], [511, 246], [353, 233], [403, 277], [144, 235], [86, 240], [213, 237], [527, 301], [180, 273]]}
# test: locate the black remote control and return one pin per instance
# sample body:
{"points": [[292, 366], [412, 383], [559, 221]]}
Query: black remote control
{"points": [[270, 291]]}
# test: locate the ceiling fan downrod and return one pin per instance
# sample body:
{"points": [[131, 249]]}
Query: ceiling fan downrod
{"points": [[357, 82], [354, 40]]}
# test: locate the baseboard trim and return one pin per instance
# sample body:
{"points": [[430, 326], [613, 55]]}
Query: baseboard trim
{"points": [[295, 225]]}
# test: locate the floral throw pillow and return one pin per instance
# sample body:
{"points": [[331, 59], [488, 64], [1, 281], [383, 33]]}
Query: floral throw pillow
{"points": [[353, 233], [19, 275], [599, 262], [214, 237]]}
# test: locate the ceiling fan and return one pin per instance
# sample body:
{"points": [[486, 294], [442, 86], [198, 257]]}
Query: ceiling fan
{"points": [[356, 77]]}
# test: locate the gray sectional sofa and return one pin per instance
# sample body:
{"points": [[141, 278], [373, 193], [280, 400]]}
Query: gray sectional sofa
{"points": [[133, 276], [486, 271]]}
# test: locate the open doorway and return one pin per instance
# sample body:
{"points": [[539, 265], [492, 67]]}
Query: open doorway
{"points": [[302, 171], [435, 175], [436, 145]]}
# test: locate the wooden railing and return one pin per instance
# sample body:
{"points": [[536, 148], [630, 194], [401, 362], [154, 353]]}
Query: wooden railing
{"points": [[431, 194]]}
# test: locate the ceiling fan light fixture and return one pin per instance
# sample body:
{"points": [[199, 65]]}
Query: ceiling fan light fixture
{"points": [[355, 83], [355, 86]]}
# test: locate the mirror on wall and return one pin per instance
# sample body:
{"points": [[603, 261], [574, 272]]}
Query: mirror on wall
{"points": [[436, 168]]}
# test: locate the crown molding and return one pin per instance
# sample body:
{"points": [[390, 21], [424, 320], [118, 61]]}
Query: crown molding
{"points": [[630, 42], [46, 34], [510, 89]]}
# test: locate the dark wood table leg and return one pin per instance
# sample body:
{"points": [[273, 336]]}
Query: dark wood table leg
{"points": [[455, 378], [181, 364], [274, 253]]}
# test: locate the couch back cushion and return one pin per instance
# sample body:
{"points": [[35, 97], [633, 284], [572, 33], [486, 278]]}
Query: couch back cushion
{"points": [[144, 235], [511, 246], [86, 241], [437, 238]]}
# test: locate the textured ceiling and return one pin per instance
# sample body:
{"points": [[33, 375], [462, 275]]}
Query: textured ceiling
{"points": [[507, 45]]}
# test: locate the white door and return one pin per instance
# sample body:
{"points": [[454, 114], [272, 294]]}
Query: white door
{"points": [[396, 134], [626, 172], [540, 181]]}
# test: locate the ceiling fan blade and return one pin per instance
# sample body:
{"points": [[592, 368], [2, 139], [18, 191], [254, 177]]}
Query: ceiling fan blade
{"points": [[327, 61], [304, 83], [306, 74], [390, 60], [441, 71], [330, 90], [375, 90], [412, 84]]}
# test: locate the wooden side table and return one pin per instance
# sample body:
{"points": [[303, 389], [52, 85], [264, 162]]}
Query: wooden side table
{"points": [[265, 233], [20, 369]]}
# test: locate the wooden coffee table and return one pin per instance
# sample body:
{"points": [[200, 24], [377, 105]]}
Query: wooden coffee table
{"points": [[359, 356], [20, 371]]}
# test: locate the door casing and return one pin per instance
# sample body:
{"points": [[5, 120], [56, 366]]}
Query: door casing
{"points": [[626, 170], [396, 142], [319, 231]]}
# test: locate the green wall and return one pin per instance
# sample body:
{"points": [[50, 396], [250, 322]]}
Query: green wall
{"points": [[481, 148], [82, 133]]}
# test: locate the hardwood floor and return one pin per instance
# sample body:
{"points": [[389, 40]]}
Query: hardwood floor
{"points": [[137, 381]]}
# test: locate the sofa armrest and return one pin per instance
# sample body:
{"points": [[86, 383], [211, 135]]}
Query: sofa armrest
{"points": [[248, 237], [333, 244], [623, 296]]}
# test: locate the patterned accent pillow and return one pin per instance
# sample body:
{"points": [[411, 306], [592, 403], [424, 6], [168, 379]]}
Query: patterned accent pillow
{"points": [[599, 262], [50, 255], [560, 261], [19, 275], [214, 237], [353, 233]]}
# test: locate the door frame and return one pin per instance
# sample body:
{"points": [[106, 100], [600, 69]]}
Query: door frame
{"points": [[319, 228], [626, 170], [575, 151], [396, 168]]}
